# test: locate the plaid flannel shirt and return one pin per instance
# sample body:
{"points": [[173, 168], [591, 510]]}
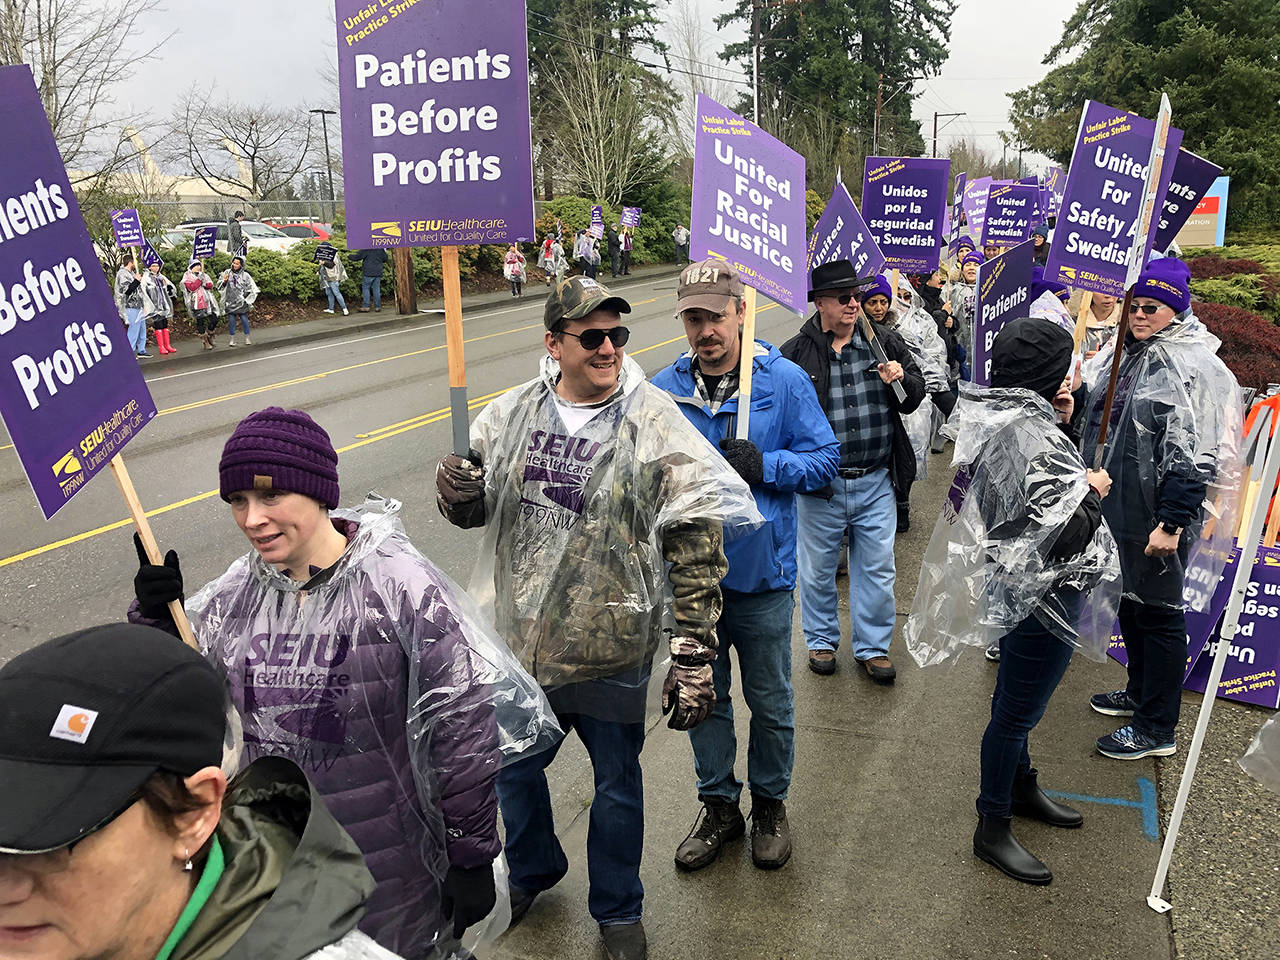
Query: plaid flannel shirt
{"points": [[725, 389], [859, 410]]}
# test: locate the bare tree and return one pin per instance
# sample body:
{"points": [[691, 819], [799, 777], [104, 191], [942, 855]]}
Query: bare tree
{"points": [[689, 41], [79, 52], [242, 150]]}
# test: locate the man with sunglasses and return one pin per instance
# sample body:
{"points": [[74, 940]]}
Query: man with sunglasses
{"points": [[1172, 447], [791, 447], [877, 463], [595, 494]]}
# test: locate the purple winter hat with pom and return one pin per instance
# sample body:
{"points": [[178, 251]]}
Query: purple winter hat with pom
{"points": [[278, 449]]}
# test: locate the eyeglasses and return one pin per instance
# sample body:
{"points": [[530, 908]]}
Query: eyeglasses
{"points": [[56, 861], [593, 339], [843, 299], [1148, 308]]}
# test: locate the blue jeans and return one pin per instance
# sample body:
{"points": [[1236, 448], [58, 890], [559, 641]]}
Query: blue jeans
{"points": [[758, 625], [1032, 662], [1155, 639], [244, 322], [137, 328], [331, 291], [374, 284], [866, 507], [615, 833]]}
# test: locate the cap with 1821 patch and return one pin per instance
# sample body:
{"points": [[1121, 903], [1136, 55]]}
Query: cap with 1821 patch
{"points": [[574, 298], [87, 719], [708, 285]]}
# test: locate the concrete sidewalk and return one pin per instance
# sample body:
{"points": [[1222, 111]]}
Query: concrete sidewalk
{"points": [[882, 814]]}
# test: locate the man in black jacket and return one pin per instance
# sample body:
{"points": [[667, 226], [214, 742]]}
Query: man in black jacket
{"points": [[876, 460], [615, 248], [372, 263]]}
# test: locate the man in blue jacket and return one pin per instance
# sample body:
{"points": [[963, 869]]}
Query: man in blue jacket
{"points": [[792, 448]]}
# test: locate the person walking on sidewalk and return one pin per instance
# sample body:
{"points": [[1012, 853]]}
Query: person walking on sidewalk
{"points": [[236, 242], [372, 262], [158, 293], [331, 276], [513, 270], [128, 296], [1173, 454], [681, 237], [239, 291], [792, 449], [876, 459], [202, 305], [595, 493]]}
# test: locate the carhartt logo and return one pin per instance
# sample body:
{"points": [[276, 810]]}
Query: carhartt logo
{"points": [[74, 724]]}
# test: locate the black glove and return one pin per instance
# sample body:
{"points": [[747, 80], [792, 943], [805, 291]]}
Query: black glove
{"points": [[745, 457], [460, 489], [468, 896], [156, 586]]}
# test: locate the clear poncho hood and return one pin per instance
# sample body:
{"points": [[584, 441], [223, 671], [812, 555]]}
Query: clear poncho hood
{"points": [[987, 567]]}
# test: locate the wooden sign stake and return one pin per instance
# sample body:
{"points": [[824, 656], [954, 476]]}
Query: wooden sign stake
{"points": [[745, 361], [453, 340]]}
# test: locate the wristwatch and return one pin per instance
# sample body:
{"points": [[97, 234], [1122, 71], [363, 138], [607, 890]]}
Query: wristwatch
{"points": [[1170, 529]]}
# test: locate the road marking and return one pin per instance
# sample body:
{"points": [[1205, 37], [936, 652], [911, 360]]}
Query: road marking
{"points": [[1147, 804]]}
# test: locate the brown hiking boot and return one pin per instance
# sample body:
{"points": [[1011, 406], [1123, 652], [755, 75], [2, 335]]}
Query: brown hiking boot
{"points": [[770, 834], [718, 822], [880, 669]]}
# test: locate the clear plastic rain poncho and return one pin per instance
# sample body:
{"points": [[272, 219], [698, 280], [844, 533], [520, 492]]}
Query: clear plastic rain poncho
{"points": [[919, 331], [1262, 759], [584, 530], [987, 567], [383, 683], [1176, 414]]}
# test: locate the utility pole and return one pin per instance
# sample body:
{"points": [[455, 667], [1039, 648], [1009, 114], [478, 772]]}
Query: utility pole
{"points": [[328, 160], [755, 61], [936, 115]]}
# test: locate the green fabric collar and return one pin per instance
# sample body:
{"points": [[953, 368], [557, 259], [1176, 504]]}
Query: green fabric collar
{"points": [[199, 897]]}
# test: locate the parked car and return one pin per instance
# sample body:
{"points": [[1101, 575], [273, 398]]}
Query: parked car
{"points": [[168, 239], [303, 231], [261, 236]]}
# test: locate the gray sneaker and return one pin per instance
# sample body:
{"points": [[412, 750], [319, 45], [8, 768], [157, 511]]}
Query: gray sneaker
{"points": [[1117, 703]]}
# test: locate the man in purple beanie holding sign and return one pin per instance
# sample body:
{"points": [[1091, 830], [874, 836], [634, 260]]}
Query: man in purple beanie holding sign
{"points": [[1173, 453]]}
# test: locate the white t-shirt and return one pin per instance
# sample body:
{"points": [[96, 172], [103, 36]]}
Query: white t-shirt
{"points": [[575, 417]]}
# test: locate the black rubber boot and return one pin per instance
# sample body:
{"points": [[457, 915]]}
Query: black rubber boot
{"points": [[1030, 801], [719, 822], [995, 843]]}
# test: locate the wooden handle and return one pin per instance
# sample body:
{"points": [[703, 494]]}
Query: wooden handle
{"points": [[453, 315], [1082, 317], [149, 544], [745, 362], [1273, 526]]}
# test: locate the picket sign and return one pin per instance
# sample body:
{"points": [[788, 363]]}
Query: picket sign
{"points": [[1230, 623], [746, 360]]}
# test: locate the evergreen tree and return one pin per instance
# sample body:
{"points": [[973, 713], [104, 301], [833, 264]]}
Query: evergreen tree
{"points": [[1216, 59]]}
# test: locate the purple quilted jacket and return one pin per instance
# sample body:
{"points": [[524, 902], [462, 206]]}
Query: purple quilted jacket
{"points": [[373, 685]]}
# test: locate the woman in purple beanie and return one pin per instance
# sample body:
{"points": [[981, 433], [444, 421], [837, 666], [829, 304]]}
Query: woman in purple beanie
{"points": [[348, 652]]}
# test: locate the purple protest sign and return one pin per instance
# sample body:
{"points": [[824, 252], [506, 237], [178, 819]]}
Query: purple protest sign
{"points": [[1192, 178], [1004, 285], [597, 222], [975, 206], [205, 243], [1103, 199], [71, 392], [435, 122], [903, 201], [149, 255], [842, 234], [127, 226], [1011, 213], [957, 214], [748, 204], [631, 216]]}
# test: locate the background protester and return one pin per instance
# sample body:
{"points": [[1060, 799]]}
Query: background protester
{"points": [[372, 263], [125, 807], [236, 242], [1100, 323], [202, 305], [331, 276], [546, 260], [401, 732], [681, 237], [239, 291], [964, 301], [876, 459], [1172, 448], [627, 242], [792, 449], [158, 294], [592, 268], [128, 296], [615, 248], [513, 270], [604, 514], [1040, 239]]}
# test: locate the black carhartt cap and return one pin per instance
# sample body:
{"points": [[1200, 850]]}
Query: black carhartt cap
{"points": [[576, 297], [86, 719]]}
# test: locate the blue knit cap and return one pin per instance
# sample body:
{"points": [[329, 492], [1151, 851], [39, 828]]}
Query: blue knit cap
{"points": [[880, 288], [1167, 280]]}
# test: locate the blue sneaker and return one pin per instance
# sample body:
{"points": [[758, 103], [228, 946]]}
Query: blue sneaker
{"points": [[1117, 703], [1128, 744]]}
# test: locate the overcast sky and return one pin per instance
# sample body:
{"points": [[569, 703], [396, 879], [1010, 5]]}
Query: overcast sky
{"points": [[274, 49]]}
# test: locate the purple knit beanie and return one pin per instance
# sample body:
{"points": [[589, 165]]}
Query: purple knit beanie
{"points": [[1167, 280], [879, 288], [278, 449], [973, 256]]}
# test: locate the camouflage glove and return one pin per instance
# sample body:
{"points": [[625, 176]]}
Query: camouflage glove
{"points": [[688, 693], [460, 490]]}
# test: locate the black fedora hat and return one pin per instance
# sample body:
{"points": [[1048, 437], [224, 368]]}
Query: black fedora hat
{"points": [[836, 275]]}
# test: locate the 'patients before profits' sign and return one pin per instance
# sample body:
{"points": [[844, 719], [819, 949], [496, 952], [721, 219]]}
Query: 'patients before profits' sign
{"points": [[904, 201], [1103, 199], [748, 204], [435, 122], [71, 392], [1004, 292]]}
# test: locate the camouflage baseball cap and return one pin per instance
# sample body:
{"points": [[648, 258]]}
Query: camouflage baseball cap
{"points": [[576, 297], [708, 285]]}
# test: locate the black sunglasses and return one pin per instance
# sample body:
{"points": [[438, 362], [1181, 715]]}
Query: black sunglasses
{"points": [[593, 339], [843, 299], [1148, 308]]}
